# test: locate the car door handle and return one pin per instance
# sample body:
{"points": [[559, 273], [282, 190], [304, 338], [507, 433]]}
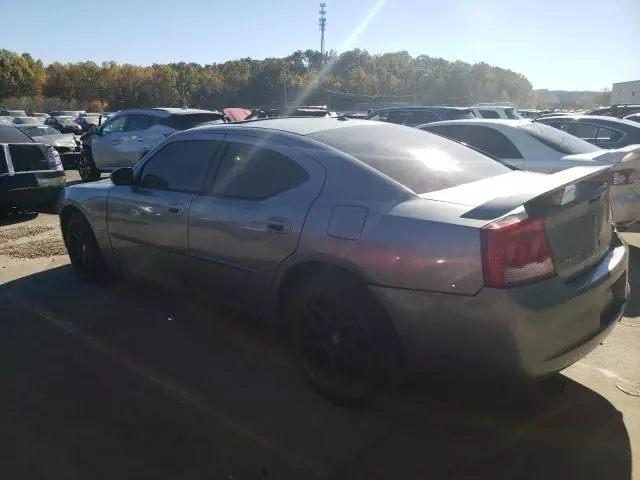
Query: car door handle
{"points": [[279, 225], [175, 208]]}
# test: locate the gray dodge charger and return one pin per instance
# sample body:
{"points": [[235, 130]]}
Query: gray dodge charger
{"points": [[379, 249]]}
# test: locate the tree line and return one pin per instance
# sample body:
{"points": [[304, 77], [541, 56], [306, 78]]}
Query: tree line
{"points": [[308, 77]]}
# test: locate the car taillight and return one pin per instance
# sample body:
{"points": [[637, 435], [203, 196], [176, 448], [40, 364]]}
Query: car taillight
{"points": [[623, 177], [515, 252], [53, 159]]}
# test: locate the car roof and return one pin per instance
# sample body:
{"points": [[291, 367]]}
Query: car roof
{"points": [[488, 122], [165, 112], [296, 125], [594, 119], [422, 107]]}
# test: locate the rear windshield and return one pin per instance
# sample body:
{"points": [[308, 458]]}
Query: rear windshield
{"points": [[558, 140], [421, 161], [511, 113], [13, 135], [189, 120]]}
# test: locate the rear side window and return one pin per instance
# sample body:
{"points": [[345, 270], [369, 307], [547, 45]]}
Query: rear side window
{"points": [[483, 138], [188, 120], [558, 140], [13, 135], [179, 166], [583, 130], [414, 158], [489, 114], [255, 173]]}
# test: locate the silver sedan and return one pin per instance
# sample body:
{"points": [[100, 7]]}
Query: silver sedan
{"points": [[379, 248]]}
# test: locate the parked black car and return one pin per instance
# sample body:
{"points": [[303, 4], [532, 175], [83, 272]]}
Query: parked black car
{"points": [[414, 116], [64, 124], [605, 132], [619, 110], [31, 174]]}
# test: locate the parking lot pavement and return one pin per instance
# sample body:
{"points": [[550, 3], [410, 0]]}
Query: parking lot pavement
{"points": [[125, 381]]}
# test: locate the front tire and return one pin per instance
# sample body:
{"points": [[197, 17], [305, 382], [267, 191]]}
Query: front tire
{"points": [[344, 343], [87, 167], [84, 252]]}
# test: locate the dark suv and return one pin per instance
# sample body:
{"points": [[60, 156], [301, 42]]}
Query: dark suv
{"points": [[414, 116]]}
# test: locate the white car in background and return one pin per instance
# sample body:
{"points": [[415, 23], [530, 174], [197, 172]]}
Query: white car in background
{"points": [[532, 146], [489, 111], [126, 136]]}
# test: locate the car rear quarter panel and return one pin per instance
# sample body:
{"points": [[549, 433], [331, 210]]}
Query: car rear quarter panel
{"points": [[404, 241]]}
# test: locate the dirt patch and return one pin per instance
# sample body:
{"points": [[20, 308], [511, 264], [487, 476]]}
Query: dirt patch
{"points": [[46, 247], [17, 233]]}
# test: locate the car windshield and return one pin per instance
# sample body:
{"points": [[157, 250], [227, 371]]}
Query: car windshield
{"points": [[558, 140], [22, 120], [13, 135], [420, 161], [39, 130]]}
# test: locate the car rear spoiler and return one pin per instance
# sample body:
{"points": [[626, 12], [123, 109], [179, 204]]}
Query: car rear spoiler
{"points": [[558, 188]]}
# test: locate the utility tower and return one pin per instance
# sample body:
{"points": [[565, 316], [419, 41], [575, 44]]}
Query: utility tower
{"points": [[323, 23]]}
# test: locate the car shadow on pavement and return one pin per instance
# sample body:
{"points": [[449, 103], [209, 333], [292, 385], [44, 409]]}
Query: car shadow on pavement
{"points": [[128, 381], [15, 216]]}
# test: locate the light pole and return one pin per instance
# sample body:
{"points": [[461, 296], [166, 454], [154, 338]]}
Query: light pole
{"points": [[323, 24]]}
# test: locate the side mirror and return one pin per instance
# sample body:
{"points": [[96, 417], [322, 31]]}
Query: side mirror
{"points": [[122, 177]]}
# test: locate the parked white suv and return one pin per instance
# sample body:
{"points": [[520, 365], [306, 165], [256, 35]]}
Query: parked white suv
{"points": [[490, 111], [124, 138]]}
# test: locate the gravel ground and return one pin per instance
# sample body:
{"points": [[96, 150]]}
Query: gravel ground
{"points": [[31, 241]]}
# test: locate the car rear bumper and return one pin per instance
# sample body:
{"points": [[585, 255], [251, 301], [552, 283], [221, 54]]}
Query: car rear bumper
{"points": [[626, 208], [31, 188], [530, 331]]}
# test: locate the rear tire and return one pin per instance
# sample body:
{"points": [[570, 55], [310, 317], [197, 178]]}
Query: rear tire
{"points": [[87, 167], [84, 252], [344, 343]]}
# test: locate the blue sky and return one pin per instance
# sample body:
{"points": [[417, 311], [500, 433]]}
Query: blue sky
{"points": [[556, 44]]}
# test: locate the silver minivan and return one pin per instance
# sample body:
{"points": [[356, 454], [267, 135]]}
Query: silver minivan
{"points": [[124, 138]]}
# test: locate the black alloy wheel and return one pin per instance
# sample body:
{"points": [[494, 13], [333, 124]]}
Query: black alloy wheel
{"points": [[83, 248], [87, 168], [344, 343]]}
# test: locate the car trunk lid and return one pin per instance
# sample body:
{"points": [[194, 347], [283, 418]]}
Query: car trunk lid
{"points": [[573, 203]]}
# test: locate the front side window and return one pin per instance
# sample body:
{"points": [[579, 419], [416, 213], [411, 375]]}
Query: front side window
{"points": [[179, 166], [250, 172], [115, 125], [139, 121]]}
